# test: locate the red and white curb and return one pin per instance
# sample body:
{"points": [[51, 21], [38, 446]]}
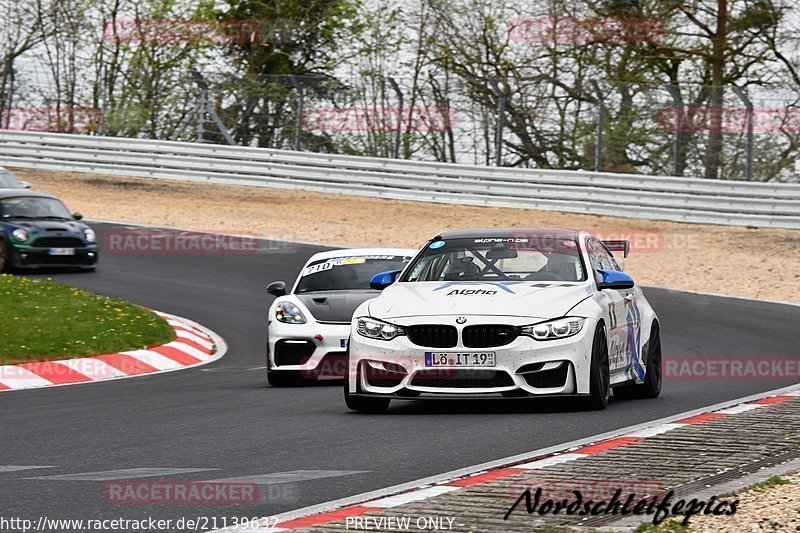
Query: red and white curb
{"points": [[194, 345], [458, 480]]}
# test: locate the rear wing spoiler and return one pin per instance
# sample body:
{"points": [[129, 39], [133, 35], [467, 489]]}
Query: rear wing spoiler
{"points": [[618, 246]]}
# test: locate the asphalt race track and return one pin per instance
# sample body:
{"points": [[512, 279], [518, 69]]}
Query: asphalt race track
{"points": [[222, 421]]}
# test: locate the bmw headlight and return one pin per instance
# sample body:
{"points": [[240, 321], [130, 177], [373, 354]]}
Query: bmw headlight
{"points": [[89, 235], [378, 329], [289, 313], [555, 329], [20, 235]]}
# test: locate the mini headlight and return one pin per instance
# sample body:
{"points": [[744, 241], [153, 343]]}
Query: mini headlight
{"points": [[378, 329], [289, 313], [90, 235], [20, 235], [555, 329]]}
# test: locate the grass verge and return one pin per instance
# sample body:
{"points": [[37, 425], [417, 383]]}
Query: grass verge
{"points": [[41, 320]]}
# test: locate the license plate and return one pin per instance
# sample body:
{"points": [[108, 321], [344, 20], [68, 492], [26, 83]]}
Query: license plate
{"points": [[442, 359], [61, 251]]}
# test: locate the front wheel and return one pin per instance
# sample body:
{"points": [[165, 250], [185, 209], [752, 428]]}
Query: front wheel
{"points": [[651, 387], [600, 375], [362, 404], [282, 378], [5, 257]]}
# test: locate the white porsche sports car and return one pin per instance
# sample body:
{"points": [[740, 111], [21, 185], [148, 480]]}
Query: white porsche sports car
{"points": [[308, 326], [508, 313]]}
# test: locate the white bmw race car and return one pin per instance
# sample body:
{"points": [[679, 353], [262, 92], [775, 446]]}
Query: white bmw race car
{"points": [[507, 313], [309, 324]]}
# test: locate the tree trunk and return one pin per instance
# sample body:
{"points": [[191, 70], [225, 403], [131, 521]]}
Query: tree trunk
{"points": [[719, 44]]}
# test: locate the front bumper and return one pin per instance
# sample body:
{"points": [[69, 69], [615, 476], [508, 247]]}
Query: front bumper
{"points": [[525, 367], [33, 257], [295, 348]]}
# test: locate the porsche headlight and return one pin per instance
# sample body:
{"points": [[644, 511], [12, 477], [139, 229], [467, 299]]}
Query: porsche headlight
{"points": [[20, 235], [555, 329], [89, 235], [378, 329], [289, 313]]}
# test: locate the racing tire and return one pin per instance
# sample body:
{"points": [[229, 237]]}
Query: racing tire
{"points": [[600, 375], [5, 257], [651, 387], [282, 379], [363, 404]]}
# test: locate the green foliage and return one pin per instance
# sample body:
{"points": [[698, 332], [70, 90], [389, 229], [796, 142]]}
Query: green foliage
{"points": [[774, 481], [41, 320], [667, 526]]}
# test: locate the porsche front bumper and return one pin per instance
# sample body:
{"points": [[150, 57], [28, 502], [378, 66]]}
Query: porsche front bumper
{"points": [[315, 350]]}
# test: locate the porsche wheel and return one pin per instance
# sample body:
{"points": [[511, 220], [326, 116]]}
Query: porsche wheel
{"points": [[282, 379], [600, 377]]}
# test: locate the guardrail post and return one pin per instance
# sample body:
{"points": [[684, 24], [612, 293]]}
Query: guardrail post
{"points": [[201, 114], [601, 111], [200, 111], [749, 110], [677, 102], [501, 121], [399, 117], [298, 128]]}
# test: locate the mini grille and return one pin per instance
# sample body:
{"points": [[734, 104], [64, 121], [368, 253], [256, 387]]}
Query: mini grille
{"points": [[58, 242]]}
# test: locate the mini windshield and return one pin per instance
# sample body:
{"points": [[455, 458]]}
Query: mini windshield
{"points": [[33, 207], [347, 273], [498, 259]]}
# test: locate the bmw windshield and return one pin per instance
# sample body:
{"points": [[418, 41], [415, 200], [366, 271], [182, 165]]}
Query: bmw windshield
{"points": [[347, 273], [498, 259], [34, 207]]}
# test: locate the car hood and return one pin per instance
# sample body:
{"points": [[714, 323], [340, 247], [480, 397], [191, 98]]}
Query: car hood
{"points": [[523, 298], [335, 306], [44, 227]]}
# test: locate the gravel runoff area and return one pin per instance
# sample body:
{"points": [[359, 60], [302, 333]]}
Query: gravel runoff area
{"points": [[771, 508], [759, 263]]}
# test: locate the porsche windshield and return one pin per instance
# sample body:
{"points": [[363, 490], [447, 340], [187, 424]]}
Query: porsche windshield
{"points": [[498, 259], [347, 273], [33, 207], [7, 180]]}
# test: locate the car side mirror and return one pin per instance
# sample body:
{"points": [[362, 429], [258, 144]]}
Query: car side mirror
{"points": [[613, 279], [277, 288], [24, 184], [77, 216], [383, 280]]}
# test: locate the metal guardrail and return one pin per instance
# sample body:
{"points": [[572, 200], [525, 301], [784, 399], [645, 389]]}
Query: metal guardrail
{"points": [[625, 195]]}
